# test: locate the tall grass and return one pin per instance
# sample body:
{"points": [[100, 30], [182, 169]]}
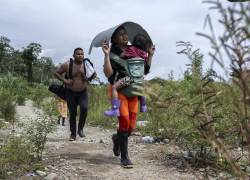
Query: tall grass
{"points": [[98, 103], [15, 156], [13, 90]]}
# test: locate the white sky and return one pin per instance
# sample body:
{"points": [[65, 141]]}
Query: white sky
{"points": [[62, 25]]}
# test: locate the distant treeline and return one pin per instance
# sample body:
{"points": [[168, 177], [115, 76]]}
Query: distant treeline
{"points": [[25, 62]]}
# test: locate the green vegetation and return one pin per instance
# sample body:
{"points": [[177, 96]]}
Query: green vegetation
{"points": [[15, 156], [98, 103], [25, 63], [20, 154], [36, 132]]}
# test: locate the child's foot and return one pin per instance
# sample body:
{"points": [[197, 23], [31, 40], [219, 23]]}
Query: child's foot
{"points": [[143, 108], [115, 108], [112, 112]]}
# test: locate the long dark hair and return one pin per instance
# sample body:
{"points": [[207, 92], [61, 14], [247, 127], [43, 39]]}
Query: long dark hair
{"points": [[140, 41], [115, 32], [114, 48]]}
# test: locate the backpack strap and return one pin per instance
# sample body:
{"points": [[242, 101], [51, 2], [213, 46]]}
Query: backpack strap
{"points": [[119, 64], [85, 59], [89, 69], [70, 68]]}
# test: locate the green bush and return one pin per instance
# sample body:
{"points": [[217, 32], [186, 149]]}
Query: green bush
{"points": [[36, 132], [38, 93], [7, 106], [21, 100], [15, 86], [15, 156], [12, 90]]}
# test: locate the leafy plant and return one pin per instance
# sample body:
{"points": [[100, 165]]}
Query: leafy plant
{"points": [[37, 131], [15, 156]]}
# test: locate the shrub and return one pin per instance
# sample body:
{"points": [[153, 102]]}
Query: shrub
{"points": [[37, 131], [15, 156], [7, 106]]}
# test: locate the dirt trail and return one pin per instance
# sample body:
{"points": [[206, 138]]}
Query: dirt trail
{"points": [[92, 158]]}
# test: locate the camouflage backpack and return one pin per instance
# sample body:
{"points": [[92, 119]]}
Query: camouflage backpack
{"points": [[134, 68]]}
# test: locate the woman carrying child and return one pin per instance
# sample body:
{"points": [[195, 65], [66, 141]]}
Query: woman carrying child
{"points": [[128, 106]]}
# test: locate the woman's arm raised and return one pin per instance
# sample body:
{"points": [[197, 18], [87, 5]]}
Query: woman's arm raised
{"points": [[108, 70]]}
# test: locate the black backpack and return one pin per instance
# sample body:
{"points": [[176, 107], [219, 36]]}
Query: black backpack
{"points": [[60, 90], [88, 69]]}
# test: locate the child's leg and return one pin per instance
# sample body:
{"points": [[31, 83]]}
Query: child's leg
{"points": [[63, 121], [59, 118], [143, 106], [114, 90], [115, 102]]}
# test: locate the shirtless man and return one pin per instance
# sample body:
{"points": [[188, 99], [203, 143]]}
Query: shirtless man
{"points": [[76, 91]]}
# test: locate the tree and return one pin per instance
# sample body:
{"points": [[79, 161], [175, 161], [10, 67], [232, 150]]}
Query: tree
{"points": [[5, 47], [44, 69], [19, 64], [6, 51], [30, 55]]}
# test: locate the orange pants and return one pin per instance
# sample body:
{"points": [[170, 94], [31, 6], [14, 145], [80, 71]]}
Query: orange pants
{"points": [[62, 107], [128, 111]]}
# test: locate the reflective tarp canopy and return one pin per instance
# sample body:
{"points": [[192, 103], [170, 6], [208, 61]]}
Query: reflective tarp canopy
{"points": [[132, 30]]}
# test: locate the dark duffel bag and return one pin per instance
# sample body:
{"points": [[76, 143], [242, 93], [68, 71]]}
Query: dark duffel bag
{"points": [[59, 90]]}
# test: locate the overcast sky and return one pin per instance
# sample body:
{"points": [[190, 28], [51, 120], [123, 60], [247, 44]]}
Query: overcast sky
{"points": [[61, 25]]}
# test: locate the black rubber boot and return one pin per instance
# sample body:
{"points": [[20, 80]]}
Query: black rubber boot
{"points": [[116, 145], [63, 121], [123, 139]]}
